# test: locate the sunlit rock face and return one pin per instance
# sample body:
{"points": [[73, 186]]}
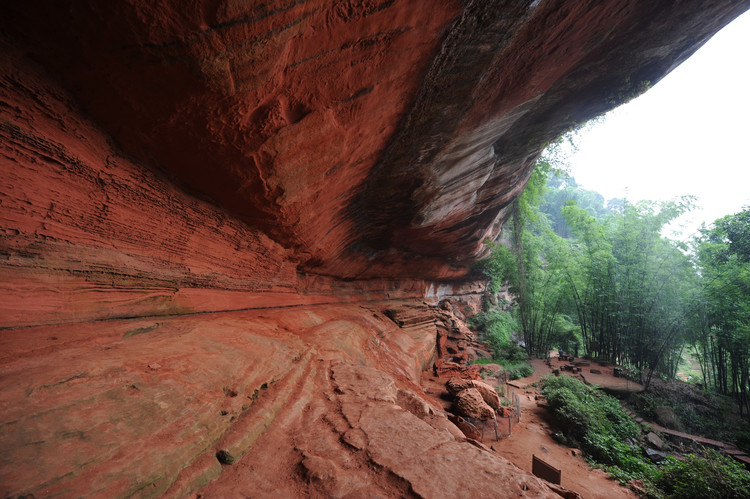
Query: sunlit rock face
{"points": [[207, 206]]}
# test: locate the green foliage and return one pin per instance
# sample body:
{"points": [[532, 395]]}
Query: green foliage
{"points": [[566, 335], [499, 267], [520, 370], [712, 475], [634, 290], [597, 423], [724, 305], [630, 290], [709, 415], [495, 327], [564, 191], [514, 360], [603, 278], [540, 260], [593, 420], [736, 232], [511, 354]]}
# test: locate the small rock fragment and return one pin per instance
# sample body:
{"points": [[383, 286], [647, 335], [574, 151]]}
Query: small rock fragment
{"points": [[355, 438], [655, 455], [319, 468], [653, 439], [411, 402], [225, 457]]}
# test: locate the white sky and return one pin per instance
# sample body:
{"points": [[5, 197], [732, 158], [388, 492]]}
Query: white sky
{"points": [[689, 134]]}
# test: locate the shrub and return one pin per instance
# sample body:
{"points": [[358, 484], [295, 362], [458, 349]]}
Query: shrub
{"points": [[712, 475], [497, 327], [592, 419], [499, 267], [511, 353], [597, 423], [571, 412], [520, 371]]}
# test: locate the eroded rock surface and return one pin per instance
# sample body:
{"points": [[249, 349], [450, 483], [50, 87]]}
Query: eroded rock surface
{"points": [[469, 402], [489, 395], [369, 139], [246, 403]]}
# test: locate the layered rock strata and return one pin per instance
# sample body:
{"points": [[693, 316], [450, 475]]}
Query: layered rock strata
{"points": [[368, 139]]}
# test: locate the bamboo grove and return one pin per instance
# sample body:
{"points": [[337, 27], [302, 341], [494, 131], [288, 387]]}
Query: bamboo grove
{"points": [[603, 279]]}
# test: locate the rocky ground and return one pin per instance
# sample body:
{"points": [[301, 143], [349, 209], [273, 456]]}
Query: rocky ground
{"points": [[338, 400], [319, 401], [532, 434]]}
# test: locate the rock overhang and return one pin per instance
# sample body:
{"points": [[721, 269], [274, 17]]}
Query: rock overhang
{"points": [[371, 139]]}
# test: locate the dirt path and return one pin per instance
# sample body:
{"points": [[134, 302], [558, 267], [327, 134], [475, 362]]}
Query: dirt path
{"points": [[532, 436]]}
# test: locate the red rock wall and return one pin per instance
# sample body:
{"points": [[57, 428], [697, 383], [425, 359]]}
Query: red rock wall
{"points": [[275, 112], [510, 78], [370, 139], [89, 233]]}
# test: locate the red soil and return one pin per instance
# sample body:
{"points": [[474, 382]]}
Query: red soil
{"points": [[532, 435]]}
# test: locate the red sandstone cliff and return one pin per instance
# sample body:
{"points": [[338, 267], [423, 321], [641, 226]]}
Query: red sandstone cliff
{"points": [[165, 160]]}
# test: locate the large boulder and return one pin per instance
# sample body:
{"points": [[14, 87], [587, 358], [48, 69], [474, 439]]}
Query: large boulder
{"points": [[469, 402], [456, 385], [489, 395]]}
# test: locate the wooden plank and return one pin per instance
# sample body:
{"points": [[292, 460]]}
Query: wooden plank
{"points": [[545, 470]]}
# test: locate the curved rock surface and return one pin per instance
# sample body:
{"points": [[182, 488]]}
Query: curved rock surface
{"points": [[320, 401], [371, 139], [208, 207], [489, 395]]}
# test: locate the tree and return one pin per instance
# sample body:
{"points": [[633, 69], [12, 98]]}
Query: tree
{"points": [[631, 285], [724, 256], [533, 265]]}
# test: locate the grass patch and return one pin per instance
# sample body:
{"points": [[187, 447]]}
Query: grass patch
{"points": [[514, 361], [518, 370], [591, 419]]}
